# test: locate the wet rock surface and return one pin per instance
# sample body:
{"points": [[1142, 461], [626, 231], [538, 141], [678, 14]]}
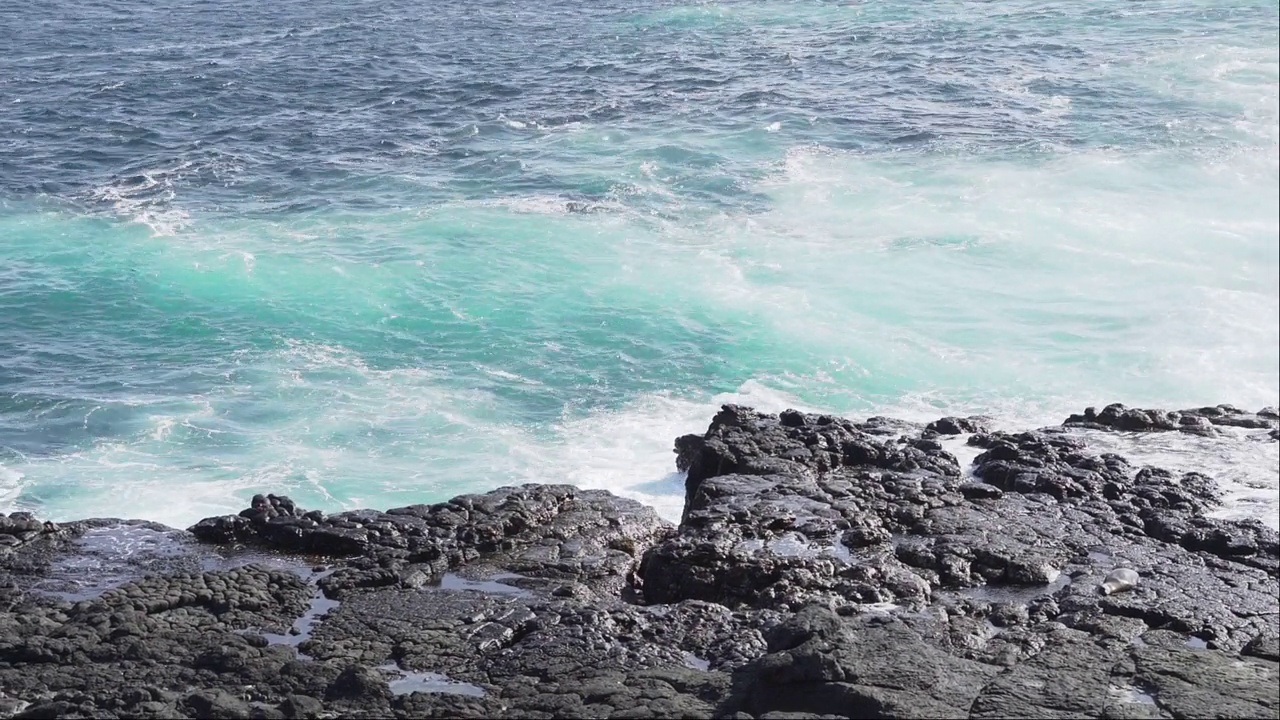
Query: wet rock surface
{"points": [[823, 568], [1196, 421]]}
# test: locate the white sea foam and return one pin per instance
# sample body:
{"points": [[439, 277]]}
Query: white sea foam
{"points": [[388, 437], [10, 486], [850, 222], [630, 451], [1246, 469], [147, 197]]}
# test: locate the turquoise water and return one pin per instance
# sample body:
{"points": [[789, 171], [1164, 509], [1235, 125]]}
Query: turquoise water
{"points": [[369, 254]]}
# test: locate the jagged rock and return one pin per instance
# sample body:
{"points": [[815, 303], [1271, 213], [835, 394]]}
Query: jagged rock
{"points": [[557, 531], [1197, 421], [216, 704], [957, 426], [301, 706], [359, 682], [824, 568]]}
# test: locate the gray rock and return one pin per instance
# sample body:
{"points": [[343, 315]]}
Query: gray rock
{"points": [[824, 568], [1196, 421]]}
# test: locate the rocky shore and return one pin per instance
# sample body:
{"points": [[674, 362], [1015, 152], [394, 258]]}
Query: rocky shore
{"points": [[823, 568]]}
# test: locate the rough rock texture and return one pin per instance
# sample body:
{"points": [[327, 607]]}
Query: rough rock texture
{"points": [[823, 568], [1198, 421], [557, 532]]}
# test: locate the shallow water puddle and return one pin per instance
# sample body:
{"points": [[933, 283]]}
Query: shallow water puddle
{"points": [[1101, 557], [1016, 594], [104, 558], [305, 625], [107, 557], [492, 584], [695, 662], [795, 544], [404, 682]]}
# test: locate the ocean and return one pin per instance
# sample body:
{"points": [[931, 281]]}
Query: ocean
{"points": [[370, 254]]}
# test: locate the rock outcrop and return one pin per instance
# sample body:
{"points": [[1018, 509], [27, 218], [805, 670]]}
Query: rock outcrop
{"points": [[822, 568], [1197, 421]]}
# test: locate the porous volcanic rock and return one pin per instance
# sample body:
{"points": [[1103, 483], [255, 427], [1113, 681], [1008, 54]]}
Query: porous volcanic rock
{"points": [[823, 568]]}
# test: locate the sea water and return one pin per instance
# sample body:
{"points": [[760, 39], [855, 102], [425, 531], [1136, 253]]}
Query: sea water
{"points": [[370, 254]]}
